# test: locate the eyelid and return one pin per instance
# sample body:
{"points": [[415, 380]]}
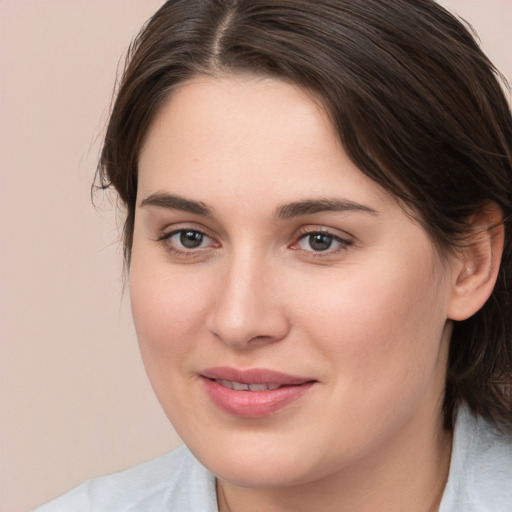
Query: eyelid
{"points": [[164, 239], [175, 231], [171, 229], [346, 240]]}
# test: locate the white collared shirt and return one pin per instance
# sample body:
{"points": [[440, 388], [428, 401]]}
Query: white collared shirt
{"points": [[480, 479]]}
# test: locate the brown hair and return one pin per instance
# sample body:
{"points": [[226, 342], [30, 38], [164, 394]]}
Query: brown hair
{"points": [[415, 102]]}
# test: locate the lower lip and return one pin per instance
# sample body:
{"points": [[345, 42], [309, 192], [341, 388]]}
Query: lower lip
{"points": [[254, 404]]}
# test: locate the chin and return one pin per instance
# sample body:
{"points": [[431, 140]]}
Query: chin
{"points": [[256, 461], [271, 474]]}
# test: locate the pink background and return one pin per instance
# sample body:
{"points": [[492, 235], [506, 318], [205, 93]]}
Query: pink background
{"points": [[74, 399]]}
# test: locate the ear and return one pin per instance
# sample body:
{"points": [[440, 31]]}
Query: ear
{"points": [[476, 266]]}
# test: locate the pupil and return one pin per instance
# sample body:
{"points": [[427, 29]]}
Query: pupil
{"points": [[320, 242], [191, 239]]}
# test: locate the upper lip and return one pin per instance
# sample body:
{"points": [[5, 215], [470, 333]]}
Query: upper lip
{"points": [[253, 376]]}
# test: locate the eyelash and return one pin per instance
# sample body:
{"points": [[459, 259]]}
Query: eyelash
{"points": [[165, 241], [344, 243]]}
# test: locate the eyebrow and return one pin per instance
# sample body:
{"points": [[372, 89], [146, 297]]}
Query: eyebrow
{"points": [[173, 202], [285, 211], [311, 206]]}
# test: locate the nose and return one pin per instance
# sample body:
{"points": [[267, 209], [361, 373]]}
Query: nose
{"points": [[249, 307]]}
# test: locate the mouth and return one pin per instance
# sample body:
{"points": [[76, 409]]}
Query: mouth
{"points": [[242, 386], [254, 393]]}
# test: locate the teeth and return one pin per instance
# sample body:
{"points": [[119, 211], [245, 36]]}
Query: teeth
{"points": [[258, 387], [226, 383], [240, 386]]}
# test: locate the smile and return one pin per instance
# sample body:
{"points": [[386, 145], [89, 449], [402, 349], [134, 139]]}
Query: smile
{"points": [[241, 386], [254, 393]]}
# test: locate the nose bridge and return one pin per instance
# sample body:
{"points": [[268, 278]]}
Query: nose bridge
{"points": [[247, 306]]}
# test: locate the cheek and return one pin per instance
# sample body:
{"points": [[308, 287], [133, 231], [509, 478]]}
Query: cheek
{"points": [[382, 328], [167, 313]]}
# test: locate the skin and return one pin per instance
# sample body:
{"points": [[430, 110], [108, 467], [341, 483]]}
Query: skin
{"points": [[367, 319]]}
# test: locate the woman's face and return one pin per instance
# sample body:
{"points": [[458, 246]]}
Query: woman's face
{"points": [[291, 317]]}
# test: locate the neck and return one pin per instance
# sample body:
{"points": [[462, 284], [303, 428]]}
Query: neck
{"points": [[403, 476]]}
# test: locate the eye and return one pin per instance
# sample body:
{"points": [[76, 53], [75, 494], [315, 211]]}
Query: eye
{"points": [[189, 239], [186, 240], [321, 241]]}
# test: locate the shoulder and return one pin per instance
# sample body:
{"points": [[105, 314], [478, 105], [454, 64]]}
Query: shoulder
{"points": [[480, 477], [176, 481]]}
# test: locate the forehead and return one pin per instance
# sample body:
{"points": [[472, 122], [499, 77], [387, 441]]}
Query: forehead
{"points": [[238, 110], [248, 133]]}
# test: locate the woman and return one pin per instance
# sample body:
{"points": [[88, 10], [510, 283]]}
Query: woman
{"points": [[318, 200]]}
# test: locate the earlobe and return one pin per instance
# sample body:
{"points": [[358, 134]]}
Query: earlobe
{"points": [[476, 266]]}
